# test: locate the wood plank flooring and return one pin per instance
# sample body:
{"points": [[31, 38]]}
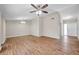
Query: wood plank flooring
{"points": [[31, 45]]}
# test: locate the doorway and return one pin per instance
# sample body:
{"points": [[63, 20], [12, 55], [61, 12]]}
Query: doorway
{"points": [[70, 28]]}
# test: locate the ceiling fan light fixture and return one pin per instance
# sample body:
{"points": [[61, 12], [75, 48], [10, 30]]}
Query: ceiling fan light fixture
{"points": [[23, 22], [39, 9], [38, 12]]}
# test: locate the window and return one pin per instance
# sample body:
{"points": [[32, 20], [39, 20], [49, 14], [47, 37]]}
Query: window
{"points": [[65, 29]]}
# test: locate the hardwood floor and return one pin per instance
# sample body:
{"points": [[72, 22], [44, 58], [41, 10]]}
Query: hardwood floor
{"points": [[31, 45]]}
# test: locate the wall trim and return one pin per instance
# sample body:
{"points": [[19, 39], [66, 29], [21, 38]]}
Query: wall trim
{"points": [[49, 37], [16, 36]]}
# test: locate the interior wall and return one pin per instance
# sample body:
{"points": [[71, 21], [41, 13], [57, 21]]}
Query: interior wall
{"points": [[2, 30], [51, 26], [39, 27], [47, 26], [78, 26], [62, 28], [15, 28], [35, 27]]}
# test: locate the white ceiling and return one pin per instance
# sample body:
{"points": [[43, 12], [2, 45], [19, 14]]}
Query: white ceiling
{"points": [[21, 11]]}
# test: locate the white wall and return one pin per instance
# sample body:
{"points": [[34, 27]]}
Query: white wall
{"points": [[2, 30], [47, 26], [38, 27], [62, 28], [35, 27], [51, 27], [78, 26], [15, 28]]}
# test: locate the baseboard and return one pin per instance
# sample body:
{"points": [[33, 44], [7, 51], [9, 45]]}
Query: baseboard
{"points": [[0, 48], [1, 45], [34, 36], [71, 36], [52, 36], [48, 37], [15, 36], [3, 41]]}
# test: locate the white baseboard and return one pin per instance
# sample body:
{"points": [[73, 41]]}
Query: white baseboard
{"points": [[15, 36], [36, 36], [3, 41]]}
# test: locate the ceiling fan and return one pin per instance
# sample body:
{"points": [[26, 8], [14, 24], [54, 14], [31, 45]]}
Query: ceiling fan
{"points": [[39, 9]]}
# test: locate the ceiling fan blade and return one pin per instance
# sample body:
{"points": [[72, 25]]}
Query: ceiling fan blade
{"points": [[32, 11], [44, 6], [34, 6], [44, 11]]}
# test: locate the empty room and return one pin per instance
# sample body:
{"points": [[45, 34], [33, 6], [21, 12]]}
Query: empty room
{"points": [[39, 29]]}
